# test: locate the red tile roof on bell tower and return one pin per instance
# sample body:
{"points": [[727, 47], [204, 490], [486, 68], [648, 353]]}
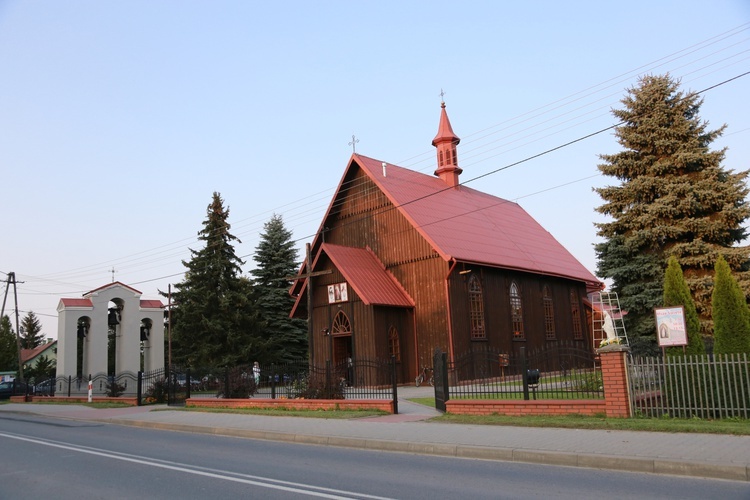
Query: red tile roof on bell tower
{"points": [[447, 158]]}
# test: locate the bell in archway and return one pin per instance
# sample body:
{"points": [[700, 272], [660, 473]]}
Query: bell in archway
{"points": [[113, 318]]}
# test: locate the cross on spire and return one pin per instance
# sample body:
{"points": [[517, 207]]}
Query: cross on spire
{"points": [[442, 94], [353, 144]]}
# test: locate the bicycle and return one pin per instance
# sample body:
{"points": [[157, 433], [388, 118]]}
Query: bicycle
{"points": [[426, 374]]}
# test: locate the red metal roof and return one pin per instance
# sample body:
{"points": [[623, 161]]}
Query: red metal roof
{"points": [[445, 131], [364, 272], [76, 302], [30, 354], [470, 226], [151, 304]]}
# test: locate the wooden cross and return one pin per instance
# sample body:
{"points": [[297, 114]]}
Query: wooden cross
{"points": [[308, 276], [353, 144]]}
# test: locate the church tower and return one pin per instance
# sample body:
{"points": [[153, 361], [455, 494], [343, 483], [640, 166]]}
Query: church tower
{"points": [[447, 159]]}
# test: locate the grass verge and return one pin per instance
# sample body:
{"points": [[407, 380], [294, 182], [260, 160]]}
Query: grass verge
{"points": [[282, 412], [90, 405], [733, 426]]}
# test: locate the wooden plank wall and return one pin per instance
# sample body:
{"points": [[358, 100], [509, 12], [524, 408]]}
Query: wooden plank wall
{"points": [[496, 293]]}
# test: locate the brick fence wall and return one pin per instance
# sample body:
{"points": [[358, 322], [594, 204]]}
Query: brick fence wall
{"points": [[294, 404], [616, 402]]}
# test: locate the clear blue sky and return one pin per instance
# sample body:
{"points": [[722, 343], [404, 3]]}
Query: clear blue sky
{"points": [[119, 119]]}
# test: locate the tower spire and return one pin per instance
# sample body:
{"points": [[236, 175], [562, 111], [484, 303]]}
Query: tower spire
{"points": [[446, 141]]}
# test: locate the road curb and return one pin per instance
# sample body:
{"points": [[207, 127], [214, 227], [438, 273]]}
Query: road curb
{"points": [[542, 457]]}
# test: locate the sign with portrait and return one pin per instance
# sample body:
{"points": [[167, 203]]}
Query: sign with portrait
{"points": [[337, 293], [670, 326]]}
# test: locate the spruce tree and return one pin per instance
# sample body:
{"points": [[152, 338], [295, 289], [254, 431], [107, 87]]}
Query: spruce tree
{"points": [[31, 329], [731, 315], [43, 369], [673, 198], [213, 321], [8, 347], [677, 293], [276, 260]]}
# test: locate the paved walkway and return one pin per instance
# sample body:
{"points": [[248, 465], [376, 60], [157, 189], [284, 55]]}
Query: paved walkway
{"points": [[699, 455]]}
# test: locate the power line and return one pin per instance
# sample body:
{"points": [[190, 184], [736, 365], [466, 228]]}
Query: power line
{"points": [[172, 250]]}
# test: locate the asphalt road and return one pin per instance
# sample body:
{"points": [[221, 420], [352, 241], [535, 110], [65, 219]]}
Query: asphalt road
{"points": [[63, 459]]}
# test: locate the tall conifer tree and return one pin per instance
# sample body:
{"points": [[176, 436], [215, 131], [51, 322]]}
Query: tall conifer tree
{"points": [[673, 198], [8, 347], [32, 331], [731, 315], [213, 321], [677, 293], [276, 259]]}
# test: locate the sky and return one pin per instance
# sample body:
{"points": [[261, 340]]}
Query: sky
{"points": [[118, 120]]}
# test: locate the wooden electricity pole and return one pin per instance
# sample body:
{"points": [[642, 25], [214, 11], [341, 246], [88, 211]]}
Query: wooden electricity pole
{"points": [[12, 277]]}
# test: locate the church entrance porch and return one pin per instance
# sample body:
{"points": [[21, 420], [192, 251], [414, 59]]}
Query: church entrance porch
{"points": [[342, 358]]}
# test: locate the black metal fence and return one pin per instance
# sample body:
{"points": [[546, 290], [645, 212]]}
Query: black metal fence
{"points": [[710, 386], [559, 371], [360, 379]]}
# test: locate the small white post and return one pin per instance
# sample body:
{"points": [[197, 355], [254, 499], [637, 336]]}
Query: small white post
{"points": [[91, 390]]}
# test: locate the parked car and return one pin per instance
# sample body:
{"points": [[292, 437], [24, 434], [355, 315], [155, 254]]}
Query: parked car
{"points": [[8, 389]]}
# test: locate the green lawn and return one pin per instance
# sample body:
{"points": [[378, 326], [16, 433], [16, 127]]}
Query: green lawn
{"points": [[734, 426], [280, 412], [102, 404]]}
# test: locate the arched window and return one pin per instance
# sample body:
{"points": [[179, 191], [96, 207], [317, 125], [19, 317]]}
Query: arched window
{"points": [[341, 324], [549, 314], [516, 313], [448, 160], [455, 157], [394, 346], [575, 313], [441, 158], [476, 309]]}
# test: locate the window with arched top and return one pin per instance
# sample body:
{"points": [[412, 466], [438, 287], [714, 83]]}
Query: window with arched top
{"points": [[440, 153], [341, 324], [394, 345], [448, 160], [516, 313], [455, 157], [476, 309], [549, 314], [575, 312]]}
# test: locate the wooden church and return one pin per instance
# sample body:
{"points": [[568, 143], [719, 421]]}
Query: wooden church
{"points": [[405, 262]]}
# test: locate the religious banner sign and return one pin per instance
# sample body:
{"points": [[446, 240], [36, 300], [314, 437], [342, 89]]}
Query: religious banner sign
{"points": [[337, 293], [670, 326]]}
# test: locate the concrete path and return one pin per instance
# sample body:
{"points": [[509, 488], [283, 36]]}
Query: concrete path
{"points": [[698, 455]]}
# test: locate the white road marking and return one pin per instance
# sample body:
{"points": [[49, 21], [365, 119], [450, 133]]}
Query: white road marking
{"points": [[263, 482]]}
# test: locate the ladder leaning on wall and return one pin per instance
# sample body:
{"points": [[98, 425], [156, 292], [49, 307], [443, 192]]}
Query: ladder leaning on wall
{"points": [[607, 319]]}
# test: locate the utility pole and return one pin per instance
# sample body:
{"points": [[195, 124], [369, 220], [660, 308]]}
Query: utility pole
{"points": [[12, 278], [169, 327]]}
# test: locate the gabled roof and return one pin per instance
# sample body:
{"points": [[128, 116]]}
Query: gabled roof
{"points": [[112, 285], [367, 276], [469, 226], [64, 303], [30, 354]]}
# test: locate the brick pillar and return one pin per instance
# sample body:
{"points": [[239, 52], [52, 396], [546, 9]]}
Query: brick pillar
{"points": [[615, 379]]}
